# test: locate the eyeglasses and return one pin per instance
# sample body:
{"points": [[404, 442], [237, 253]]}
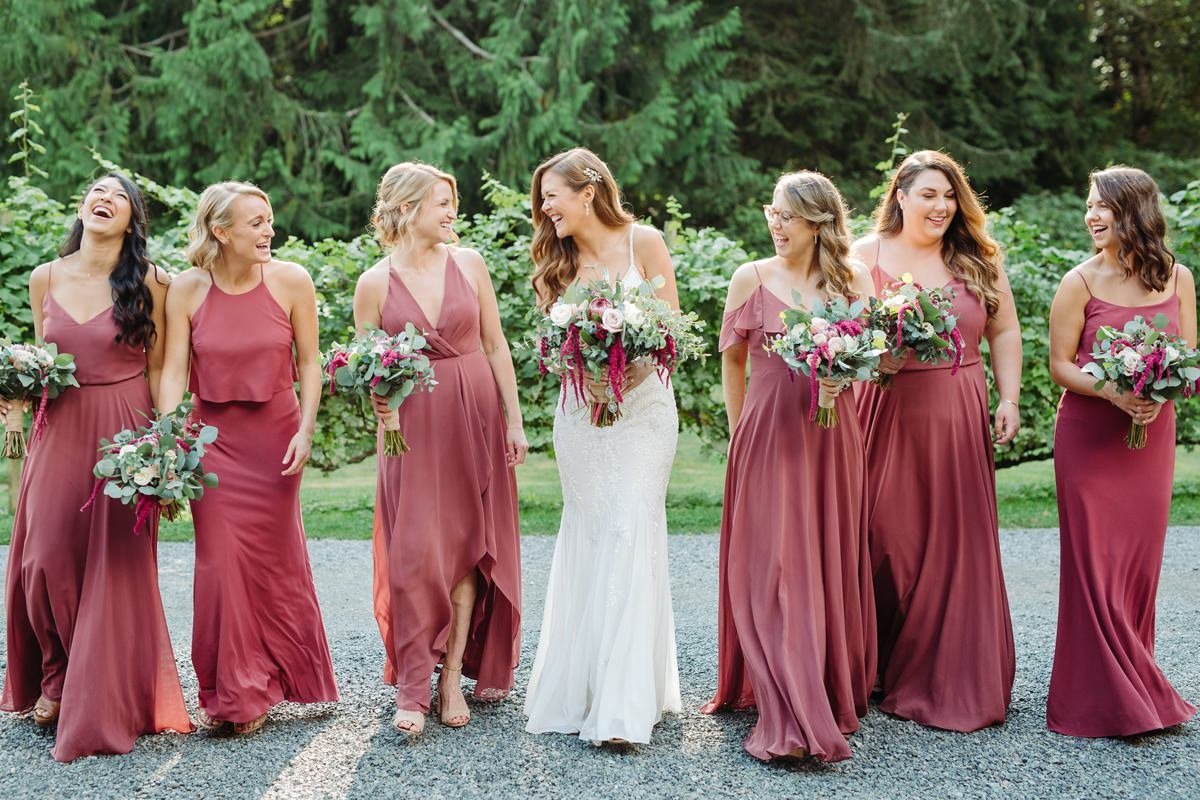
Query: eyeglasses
{"points": [[784, 217]]}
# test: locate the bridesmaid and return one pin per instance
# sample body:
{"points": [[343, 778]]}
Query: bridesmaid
{"points": [[233, 320], [946, 654], [447, 541], [87, 639], [796, 619], [1105, 680]]}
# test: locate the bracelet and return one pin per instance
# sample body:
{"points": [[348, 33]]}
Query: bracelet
{"points": [[1013, 402]]}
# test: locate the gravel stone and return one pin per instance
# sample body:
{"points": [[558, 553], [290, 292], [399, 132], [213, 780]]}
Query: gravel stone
{"points": [[349, 750]]}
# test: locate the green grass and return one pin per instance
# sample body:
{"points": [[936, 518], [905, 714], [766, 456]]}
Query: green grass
{"points": [[340, 505]]}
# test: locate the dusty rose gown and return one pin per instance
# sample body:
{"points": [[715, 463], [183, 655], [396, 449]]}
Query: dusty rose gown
{"points": [[257, 634], [85, 620], [946, 656], [1105, 681], [447, 508], [796, 619]]}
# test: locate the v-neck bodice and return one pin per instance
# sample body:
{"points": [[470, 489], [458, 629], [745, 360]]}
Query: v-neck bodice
{"points": [[457, 331]]}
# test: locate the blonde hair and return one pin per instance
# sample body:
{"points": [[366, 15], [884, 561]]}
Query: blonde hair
{"points": [[408, 182], [555, 260], [215, 209], [970, 253], [813, 197]]}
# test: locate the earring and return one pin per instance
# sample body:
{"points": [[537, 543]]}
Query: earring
{"points": [[587, 209]]}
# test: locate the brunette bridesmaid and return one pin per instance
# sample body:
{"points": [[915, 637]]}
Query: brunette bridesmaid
{"points": [[946, 654], [87, 639], [796, 620], [234, 320], [447, 543], [1105, 680]]}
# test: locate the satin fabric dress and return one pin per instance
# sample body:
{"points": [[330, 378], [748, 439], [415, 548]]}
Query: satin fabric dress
{"points": [[257, 634], [796, 619], [447, 508], [85, 621], [1105, 681], [946, 655]]}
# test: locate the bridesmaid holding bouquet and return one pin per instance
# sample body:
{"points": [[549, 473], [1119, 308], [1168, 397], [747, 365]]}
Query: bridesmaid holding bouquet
{"points": [[1105, 681], [234, 320], [796, 620], [447, 540], [87, 639], [946, 656]]}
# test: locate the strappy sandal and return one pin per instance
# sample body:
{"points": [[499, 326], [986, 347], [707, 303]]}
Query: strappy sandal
{"points": [[211, 724], [45, 711], [408, 722], [452, 718], [253, 726]]}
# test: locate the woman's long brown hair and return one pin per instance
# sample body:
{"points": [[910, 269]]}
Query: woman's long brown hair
{"points": [[1138, 224]]}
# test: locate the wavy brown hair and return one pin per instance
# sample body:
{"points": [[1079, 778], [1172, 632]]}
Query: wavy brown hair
{"points": [[1138, 223], [970, 253], [813, 197], [555, 260]]}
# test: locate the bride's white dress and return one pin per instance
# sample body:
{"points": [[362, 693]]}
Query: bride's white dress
{"points": [[605, 665]]}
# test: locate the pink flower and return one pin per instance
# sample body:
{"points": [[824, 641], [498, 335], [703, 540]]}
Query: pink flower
{"points": [[597, 308]]}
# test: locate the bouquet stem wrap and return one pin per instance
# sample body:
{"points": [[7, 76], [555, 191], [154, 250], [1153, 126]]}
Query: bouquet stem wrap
{"points": [[393, 439], [827, 416], [14, 430], [1136, 439]]}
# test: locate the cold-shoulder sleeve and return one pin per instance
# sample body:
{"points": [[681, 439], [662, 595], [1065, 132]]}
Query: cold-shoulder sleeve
{"points": [[739, 322]]}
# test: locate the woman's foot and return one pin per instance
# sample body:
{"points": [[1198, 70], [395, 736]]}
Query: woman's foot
{"points": [[45, 711], [408, 722], [211, 724], [452, 706], [253, 726]]}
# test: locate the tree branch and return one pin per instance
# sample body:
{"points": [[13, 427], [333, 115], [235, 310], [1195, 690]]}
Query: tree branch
{"points": [[420, 112], [462, 37]]}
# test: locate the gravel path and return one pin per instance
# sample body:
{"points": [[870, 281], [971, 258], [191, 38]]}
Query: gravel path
{"points": [[348, 750]]}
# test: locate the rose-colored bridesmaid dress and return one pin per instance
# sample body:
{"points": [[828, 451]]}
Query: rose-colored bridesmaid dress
{"points": [[447, 508], [257, 634], [85, 619], [1105, 681], [796, 619], [946, 656]]}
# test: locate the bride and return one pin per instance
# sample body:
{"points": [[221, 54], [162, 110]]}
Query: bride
{"points": [[605, 666]]}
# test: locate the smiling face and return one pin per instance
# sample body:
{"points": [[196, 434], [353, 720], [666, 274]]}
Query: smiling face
{"points": [[106, 208], [248, 236], [929, 204], [1100, 220], [791, 234], [436, 214], [562, 205]]}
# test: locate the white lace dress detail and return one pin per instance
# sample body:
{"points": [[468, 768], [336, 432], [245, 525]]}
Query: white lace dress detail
{"points": [[606, 666]]}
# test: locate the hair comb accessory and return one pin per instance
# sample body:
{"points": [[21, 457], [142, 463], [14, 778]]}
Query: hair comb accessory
{"points": [[592, 175]]}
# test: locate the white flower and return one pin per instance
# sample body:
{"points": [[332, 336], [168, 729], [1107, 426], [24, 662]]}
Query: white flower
{"points": [[818, 323], [819, 338], [146, 474], [561, 313], [1130, 360], [1172, 354], [126, 449], [836, 345], [894, 302], [634, 316], [612, 320]]}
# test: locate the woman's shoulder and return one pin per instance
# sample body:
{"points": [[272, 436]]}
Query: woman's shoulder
{"points": [[865, 248], [289, 273], [745, 281]]}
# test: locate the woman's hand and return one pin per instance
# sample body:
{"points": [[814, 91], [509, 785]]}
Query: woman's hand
{"points": [[515, 445], [298, 451], [831, 387], [635, 373], [1140, 410], [1007, 422], [380, 404], [890, 364], [5, 405]]}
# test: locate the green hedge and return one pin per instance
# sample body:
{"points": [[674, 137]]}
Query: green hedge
{"points": [[1042, 236]]}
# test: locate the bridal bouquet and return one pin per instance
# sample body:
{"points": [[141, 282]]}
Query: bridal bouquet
{"points": [[30, 372], [595, 331], [1141, 358], [391, 367], [156, 468], [919, 319], [829, 342]]}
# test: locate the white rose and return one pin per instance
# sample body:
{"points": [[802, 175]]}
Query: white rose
{"points": [[819, 338], [146, 474], [835, 344], [561, 313], [634, 317], [612, 320], [818, 323], [1131, 360], [1172, 354], [126, 449], [894, 302]]}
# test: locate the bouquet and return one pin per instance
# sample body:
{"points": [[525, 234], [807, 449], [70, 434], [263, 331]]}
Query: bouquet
{"points": [[386, 366], [919, 319], [1141, 358], [597, 330], [157, 467], [31, 372], [830, 342]]}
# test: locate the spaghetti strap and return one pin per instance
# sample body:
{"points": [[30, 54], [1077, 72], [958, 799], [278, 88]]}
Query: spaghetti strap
{"points": [[1176, 279], [878, 249], [1085, 283], [632, 265], [756, 273]]}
